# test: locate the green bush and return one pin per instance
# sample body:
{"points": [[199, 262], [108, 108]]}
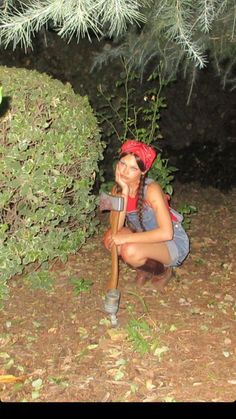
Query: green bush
{"points": [[49, 151]]}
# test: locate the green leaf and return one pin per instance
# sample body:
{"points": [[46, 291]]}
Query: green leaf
{"points": [[1, 93], [37, 384], [81, 285]]}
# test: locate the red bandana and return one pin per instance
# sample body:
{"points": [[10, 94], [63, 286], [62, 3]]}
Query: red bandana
{"points": [[143, 151]]}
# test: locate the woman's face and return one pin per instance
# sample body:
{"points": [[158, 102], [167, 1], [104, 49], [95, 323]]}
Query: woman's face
{"points": [[129, 170]]}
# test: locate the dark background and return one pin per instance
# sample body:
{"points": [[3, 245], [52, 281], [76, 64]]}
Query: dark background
{"points": [[199, 137]]}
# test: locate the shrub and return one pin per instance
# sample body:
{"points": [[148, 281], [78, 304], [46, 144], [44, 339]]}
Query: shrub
{"points": [[49, 151]]}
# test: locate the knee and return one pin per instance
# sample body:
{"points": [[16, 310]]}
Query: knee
{"points": [[128, 252]]}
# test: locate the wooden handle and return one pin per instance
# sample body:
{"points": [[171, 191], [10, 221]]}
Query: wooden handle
{"points": [[113, 282]]}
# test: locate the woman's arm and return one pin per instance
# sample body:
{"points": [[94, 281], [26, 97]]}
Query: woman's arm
{"points": [[154, 198]]}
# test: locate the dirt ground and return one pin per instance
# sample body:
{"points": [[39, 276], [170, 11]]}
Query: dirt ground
{"points": [[174, 345]]}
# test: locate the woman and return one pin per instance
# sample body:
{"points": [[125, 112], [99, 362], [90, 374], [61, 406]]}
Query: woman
{"points": [[150, 236]]}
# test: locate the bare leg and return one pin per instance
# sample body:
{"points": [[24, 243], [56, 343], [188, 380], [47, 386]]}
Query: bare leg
{"points": [[136, 254], [143, 256]]}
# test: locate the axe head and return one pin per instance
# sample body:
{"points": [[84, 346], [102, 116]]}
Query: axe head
{"points": [[111, 202]]}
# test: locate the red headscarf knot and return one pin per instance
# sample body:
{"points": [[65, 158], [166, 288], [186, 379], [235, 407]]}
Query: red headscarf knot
{"points": [[143, 151]]}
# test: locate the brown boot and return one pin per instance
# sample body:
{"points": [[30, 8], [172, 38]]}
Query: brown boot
{"points": [[145, 272], [159, 281], [142, 277], [152, 266]]}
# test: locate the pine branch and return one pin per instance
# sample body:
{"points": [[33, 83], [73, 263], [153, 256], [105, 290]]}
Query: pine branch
{"points": [[180, 31], [78, 19], [6, 4], [118, 13], [207, 14], [234, 24], [70, 17], [176, 32], [18, 27]]}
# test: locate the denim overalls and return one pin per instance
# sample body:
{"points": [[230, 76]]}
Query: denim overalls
{"points": [[179, 246]]}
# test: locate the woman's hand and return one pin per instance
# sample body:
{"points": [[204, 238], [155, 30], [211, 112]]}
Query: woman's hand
{"points": [[111, 240], [118, 239], [123, 185]]}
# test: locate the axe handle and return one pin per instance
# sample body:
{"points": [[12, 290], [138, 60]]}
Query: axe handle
{"points": [[113, 282]]}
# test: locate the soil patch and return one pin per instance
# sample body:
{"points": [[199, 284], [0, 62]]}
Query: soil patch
{"points": [[175, 345]]}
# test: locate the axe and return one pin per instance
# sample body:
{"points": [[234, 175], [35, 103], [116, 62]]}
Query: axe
{"points": [[115, 204]]}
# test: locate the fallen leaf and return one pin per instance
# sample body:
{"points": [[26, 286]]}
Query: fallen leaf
{"points": [[52, 330], [117, 335], [37, 383], [168, 399], [106, 397], [151, 398], [114, 353], [229, 298], [105, 322], [115, 373], [119, 375], [172, 328], [92, 346], [35, 394], [149, 385], [120, 362], [4, 355], [4, 379], [160, 351]]}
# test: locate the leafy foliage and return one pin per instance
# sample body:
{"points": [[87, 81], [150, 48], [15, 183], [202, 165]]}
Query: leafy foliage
{"points": [[122, 117], [81, 285], [144, 338], [161, 171], [0, 93], [50, 146], [187, 210], [40, 280], [138, 333]]}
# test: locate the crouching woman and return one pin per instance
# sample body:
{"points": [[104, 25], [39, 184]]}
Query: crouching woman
{"points": [[150, 237]]}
